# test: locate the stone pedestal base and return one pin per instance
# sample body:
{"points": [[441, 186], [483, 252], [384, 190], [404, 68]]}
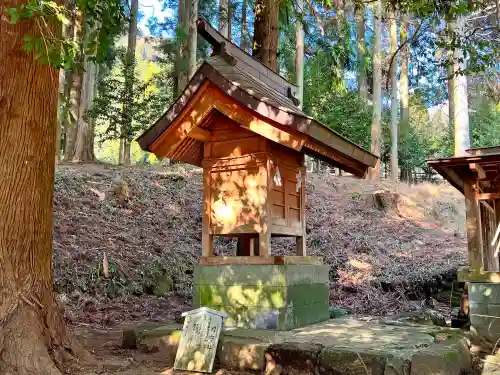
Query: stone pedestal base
{"points": [[484, 305], [275, 297]]}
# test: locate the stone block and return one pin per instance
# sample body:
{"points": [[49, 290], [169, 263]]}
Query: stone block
{"points": [[241, 353], [294, 358], [445, 358], [336, 361], [277, 297], [484, 293]]}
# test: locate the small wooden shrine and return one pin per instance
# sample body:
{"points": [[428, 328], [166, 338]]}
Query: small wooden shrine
{"points": [[241, 123], [477, 176]]}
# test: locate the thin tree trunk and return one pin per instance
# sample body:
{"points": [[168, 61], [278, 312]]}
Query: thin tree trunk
{"points": [[60, 104], [404, 97], [266, 33], [244, 36], [74, 109], [84, 147], [393, 30], [359, 11], [224, 19], [74, 88], [299, 56], [83, 150], [181, 63], [126, 131], [374, 173], [191, 17], [34, 338], [460, 100]]}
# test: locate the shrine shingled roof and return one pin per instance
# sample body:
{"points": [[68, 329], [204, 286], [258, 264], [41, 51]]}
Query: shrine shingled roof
{"points": [[267, 95]]}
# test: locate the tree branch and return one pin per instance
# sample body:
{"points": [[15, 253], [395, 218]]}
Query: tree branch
{"points": [[407, 41], [311, 8]]}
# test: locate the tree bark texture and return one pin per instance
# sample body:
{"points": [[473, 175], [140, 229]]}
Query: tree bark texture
{"points": [[359, 12], [404, 95], [181, 63], [84, 146], [84, 139], [192, 16], [374, 173], [73, 89], [266, 33], [299, 55], [459, 97], [126, 131], [34, 338], [393, 30], [244, 37], [224, 18]]}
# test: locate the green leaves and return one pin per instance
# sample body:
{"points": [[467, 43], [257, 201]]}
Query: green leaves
{"points": [[104, 17]]}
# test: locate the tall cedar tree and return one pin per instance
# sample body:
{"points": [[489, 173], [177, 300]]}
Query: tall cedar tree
{"points": [[244, 36], [376, 128], [458, 96], [393, 31], [299, 56], [359, 12], [266, 32], [33, 335], [225, 18], [404, 96], [129, 71]]}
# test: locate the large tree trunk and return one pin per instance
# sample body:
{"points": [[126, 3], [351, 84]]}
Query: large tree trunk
{"points": [[224, 19], [460, 115], [191, 17], [34, 338], [244, 36], [359, 11], [393, 30], [266, 32], [299, 56], [404, 97], [376, 135], [128, 100]]}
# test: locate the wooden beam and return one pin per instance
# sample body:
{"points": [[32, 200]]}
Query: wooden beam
{"points": [[474, 232], [479, 170], [468, 275], [273, 260], [487, 206], [486, 196], [199, 134]]}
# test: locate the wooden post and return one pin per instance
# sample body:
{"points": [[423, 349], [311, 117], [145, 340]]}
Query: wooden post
{"points": [[474, 232], [265, 243], [207, 239], [300, 244]]}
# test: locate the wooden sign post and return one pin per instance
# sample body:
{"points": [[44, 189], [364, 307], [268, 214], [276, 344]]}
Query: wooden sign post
{"points": [[200, 336]]}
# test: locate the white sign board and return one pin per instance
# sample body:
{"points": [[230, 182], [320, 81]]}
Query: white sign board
{"points": [[200, 336]]}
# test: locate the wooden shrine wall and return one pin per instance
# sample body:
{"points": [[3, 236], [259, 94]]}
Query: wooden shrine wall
{"points": [[235, 178], [287, 200]]}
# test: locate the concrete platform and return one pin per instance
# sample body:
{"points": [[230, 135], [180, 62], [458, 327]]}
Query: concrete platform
{"points": [[339, 347]]}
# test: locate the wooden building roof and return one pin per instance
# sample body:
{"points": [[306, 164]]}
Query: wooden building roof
{"points": [[235, 84], [481, 164]]}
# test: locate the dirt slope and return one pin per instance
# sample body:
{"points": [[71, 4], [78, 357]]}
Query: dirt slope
{"points": [[150, 234]]}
